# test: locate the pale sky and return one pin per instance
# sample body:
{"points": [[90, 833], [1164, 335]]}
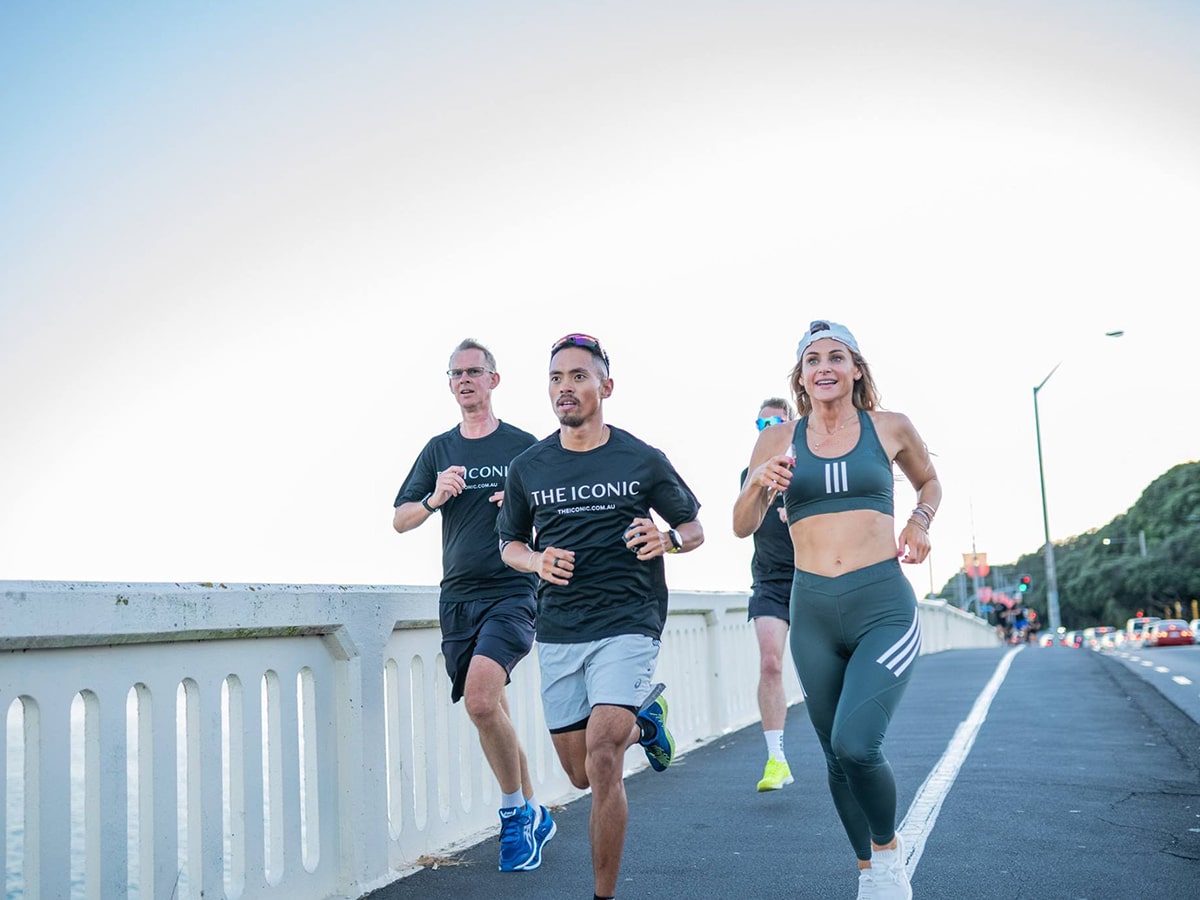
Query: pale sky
{"points": [[239, 243]]}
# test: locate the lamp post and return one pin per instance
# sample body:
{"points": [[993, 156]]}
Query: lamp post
{"points": [[1051, 573]]}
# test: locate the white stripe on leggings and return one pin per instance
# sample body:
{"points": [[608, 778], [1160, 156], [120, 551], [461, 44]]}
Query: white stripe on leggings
{"points": [[900, 655]]}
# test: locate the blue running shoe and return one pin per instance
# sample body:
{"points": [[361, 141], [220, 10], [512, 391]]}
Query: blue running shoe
{"points": [[517, 844], [656, 739], [542, 832]]}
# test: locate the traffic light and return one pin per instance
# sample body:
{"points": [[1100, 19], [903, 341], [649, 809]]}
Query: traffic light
{"points": [[1024, 585]]}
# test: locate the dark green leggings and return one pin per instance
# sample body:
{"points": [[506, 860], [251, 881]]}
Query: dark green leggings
{"points": [[854, 640]]}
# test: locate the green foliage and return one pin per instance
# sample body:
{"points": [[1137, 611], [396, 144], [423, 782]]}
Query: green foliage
{"points": [[1105, 584]]}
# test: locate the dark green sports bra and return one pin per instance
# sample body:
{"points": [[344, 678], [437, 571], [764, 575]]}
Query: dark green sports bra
{"points": [[861, 479]]}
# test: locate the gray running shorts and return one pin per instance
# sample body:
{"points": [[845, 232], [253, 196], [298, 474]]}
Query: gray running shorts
{"points": [[615, 671]]}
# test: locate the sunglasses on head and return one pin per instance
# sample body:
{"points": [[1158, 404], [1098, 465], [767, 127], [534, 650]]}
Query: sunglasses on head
{"points": [[586, 341], [769, 420]]}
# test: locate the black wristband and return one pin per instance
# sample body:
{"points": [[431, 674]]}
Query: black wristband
{"points": [[425, 502]]}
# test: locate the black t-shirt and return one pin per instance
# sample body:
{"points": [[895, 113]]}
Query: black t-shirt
{"points": [[471, 565], [585, 502], [773, 558]]}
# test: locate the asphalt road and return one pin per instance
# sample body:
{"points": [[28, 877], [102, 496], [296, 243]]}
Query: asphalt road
{"points": [[1073, 778]]}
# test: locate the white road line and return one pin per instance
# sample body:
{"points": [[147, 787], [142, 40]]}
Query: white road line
{"points": [[918, 821], [1179, 679], [1162, 670]]}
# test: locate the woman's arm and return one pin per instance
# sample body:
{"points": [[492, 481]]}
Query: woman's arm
{"points": [[912, 456], [769, 472]]}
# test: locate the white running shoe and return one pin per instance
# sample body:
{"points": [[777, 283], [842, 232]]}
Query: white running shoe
{"points": [[889, 878], [866, 884]]}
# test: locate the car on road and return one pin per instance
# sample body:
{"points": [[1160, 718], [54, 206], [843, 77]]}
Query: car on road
{"points": [[1094, 637], [1135, 628], [1195, 626], [1169, 633], [1046, 640], [1073, 639]]}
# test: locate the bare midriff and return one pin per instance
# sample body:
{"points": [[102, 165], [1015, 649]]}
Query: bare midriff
{"points": [[836, 543]]}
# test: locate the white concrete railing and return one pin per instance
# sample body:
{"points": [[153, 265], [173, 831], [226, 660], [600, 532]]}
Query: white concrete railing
{"points": [[268, 741]]}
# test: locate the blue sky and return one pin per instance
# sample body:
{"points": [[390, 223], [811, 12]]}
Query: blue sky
{"points": [[239, 243]]}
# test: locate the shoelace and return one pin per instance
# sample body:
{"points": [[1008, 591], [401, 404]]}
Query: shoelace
{"points": [[894, 875], [514, 831], [866, 884]]}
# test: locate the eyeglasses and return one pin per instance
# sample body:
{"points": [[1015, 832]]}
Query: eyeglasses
{"points": [[769, 420], [586, 341], [473, 372]]}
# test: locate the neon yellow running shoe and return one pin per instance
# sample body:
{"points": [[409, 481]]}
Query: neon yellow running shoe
{"points": [[775, 776]]}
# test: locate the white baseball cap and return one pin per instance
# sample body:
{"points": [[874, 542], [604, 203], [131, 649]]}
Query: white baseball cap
{"points": [[823, 328]]}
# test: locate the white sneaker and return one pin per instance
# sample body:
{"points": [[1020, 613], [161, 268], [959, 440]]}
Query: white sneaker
{"points": [[889, 878], [866, 884]]}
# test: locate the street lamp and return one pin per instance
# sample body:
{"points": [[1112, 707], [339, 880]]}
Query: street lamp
{"points": [[1051, 573]]}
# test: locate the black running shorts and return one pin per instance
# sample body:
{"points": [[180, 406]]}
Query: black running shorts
{"points": [[501, 630]]}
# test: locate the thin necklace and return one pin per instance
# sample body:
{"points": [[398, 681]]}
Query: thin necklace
{"points": [[830, 435]]}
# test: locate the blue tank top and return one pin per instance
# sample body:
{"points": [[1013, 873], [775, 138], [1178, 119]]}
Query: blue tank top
{"points": [[861, 479]]}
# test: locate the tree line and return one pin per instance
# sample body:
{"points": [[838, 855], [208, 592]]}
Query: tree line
{"points": [[1106, 583]]}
